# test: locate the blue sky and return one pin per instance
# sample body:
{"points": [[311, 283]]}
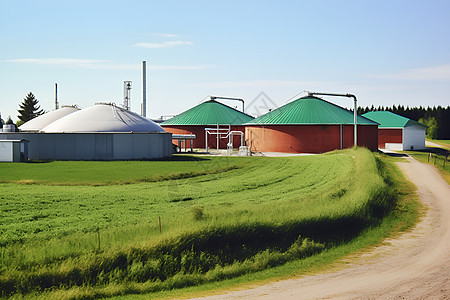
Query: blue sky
{"points": [[384, 52]]}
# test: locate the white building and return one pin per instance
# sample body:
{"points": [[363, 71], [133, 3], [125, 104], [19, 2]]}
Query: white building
{"points": [[396, 132], [100, 132]]}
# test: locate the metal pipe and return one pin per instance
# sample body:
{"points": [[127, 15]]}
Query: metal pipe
{"points": [[230, 136], [228, 98], [56, 96], [206, 137], [144, 89], [355, 118]]}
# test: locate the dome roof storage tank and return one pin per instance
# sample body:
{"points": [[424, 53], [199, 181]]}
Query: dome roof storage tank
{"points": [[41, 121], [309, 125], [102, 117]]}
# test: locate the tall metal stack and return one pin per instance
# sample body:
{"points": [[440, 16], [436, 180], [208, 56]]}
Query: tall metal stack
{"points": [[144, 90]]}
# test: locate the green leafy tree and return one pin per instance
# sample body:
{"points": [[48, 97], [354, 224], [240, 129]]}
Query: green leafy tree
{"points": [[29, 108], [432, 130]]}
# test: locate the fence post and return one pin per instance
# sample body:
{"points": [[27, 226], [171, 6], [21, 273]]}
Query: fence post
{"points": [[98, 238]]}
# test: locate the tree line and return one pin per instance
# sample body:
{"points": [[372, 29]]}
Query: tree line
{"points": [[436, 118]]}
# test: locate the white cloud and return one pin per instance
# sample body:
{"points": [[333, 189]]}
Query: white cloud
{"points": [[167, 44], [441, 72], [55, 61], [169, 35], [101, 64]]}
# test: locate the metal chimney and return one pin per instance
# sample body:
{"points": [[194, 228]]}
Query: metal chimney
{"points": [[144, 90], [56, 96]]}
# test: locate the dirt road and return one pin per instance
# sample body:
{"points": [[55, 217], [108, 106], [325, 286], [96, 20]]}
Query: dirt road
{"points": [[414, 266]]}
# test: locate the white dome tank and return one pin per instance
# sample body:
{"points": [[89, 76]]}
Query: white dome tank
{"points": [[41, 121], [103, 117]]}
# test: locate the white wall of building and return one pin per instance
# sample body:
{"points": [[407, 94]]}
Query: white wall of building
{"points": [[13, 150], [95, 146], [393, 146], [6, 151], [413, 137]]}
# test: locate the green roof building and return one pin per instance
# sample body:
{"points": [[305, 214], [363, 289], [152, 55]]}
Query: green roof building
{"points": [[208, 114], [396, 132], [309, 125], [211, 113], [310, 111]]}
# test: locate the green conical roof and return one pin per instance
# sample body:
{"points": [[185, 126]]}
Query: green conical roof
{"points": [[209, 112], [309, 111], [388, 119]]}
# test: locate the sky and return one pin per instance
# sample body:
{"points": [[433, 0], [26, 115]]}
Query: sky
{"points": [[265, 52]]}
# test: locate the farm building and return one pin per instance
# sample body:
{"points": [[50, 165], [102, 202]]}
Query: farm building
{"points": [[209, 120], [309, 125], [396, 132], [100, 132]]}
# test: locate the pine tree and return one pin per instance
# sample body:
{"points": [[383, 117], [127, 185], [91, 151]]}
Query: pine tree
{"points": [[29, 108]]}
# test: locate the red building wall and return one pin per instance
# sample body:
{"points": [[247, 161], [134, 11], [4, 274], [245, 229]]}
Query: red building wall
{"points": [[367, 136], [389, 135], [308, 138], [199, 131]]}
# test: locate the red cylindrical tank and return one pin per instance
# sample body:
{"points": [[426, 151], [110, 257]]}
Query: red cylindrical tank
{"points": [[308, 138]]}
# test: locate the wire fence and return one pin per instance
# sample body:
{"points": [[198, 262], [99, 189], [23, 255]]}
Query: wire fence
{"points": [[438, 160]]}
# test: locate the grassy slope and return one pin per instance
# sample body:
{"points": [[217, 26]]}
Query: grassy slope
{"points": [[403, 217], [41, 212], [63, 220]]}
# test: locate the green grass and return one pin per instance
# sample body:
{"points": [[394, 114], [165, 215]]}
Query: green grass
{"points": [[444, 143], [447, 142], [221, 218], [113, 172]]}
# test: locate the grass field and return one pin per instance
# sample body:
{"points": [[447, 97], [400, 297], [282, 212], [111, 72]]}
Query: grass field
{"points": [[444, 143], [112, 173], [92, 229]]}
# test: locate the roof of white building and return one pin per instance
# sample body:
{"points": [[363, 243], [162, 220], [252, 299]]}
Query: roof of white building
{"points": [[103, 117], [36, 124], [388, 119]]}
